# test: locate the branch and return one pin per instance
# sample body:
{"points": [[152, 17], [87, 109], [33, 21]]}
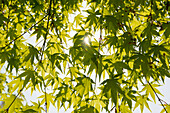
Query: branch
{"points": [[112, 108], [23, 33], [100, 40], [14, 100], [45, 97], [164, 102], [43, 49], [41, 56], [45, 38], [16, 97], [160, 100]]}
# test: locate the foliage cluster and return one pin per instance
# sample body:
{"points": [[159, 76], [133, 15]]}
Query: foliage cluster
{"points": [[132, 48]]}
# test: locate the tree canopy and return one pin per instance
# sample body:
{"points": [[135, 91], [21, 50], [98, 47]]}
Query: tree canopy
{"points": [[92, 58]]}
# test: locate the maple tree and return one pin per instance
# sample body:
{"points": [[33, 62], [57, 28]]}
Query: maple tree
{"points": [[131, 48]]}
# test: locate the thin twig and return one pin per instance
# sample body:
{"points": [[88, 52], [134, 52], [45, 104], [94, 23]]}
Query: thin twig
{"points": [[35, 69], [100, 40], [164, 102], [8, 17], [16, 97], [23, 33], [43, 49], [45, 97], [14, 100], [160, 100], [112, 108]]}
